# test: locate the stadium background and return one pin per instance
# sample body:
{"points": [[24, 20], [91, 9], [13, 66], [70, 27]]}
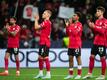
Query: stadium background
{"points": [[29, 38]]}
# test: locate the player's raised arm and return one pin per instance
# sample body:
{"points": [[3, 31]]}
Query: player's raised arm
{"points": [[99, 45], [36, 24], [66, 23]]}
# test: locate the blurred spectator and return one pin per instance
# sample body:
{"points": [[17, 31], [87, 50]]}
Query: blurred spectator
{"points": [[25, 37], [30, 37], [4, 12], [3, 34], [36, 37]]}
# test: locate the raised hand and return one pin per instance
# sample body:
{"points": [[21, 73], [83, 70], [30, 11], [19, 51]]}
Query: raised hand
{"points": [[91, 24], [66, 22], [36, 16]]}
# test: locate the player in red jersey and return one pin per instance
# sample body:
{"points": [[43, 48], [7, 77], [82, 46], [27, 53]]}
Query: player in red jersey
{"points": [[13, 45], [74, 31], [99, 44], [45, 30]]}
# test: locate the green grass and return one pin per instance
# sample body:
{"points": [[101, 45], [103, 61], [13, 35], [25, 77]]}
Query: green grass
{"points": [[57, 74]]}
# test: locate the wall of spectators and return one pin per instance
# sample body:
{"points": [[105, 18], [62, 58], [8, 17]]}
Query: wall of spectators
{"points": [[30, 37]]}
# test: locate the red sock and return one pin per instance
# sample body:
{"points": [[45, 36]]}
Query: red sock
{"points": [[103, 63], [6, 64], [91, 64], [41, 62], [71, 72], [17, 65], [47, 62], [79, 71]]}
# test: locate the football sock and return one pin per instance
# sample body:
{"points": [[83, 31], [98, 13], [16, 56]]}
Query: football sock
{"points": [[79, 69], [6, 64], [91, 64], [47, 62], [103, 63], [41, 63], [17, 65]]}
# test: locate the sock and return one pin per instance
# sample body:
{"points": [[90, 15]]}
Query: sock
{"points": [[71, 71], [41, 62], [79, 69], [48, 72], [103, 63], [91, 64], [6, 64], [17, 65], [40, 71], [47, 62]]}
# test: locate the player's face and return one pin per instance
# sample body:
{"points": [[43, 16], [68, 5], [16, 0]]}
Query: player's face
{"points": [[75, 17], [12, 21], [99, 13], [45, 15]]}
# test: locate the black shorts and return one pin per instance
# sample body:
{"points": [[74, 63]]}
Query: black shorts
{"points": [[98, 49], [43, 51], [74, 52], [14, 51]]}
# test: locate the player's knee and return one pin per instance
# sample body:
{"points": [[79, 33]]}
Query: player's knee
{"points": [[40, 57], [103, 58], [17, 59], [46, 57], [71, 60], [92, 57], [6, 57]]}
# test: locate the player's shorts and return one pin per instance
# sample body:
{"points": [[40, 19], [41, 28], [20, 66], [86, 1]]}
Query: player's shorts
{"points": [[74, 52], [98, 49], [14, 51], [43, 51]]}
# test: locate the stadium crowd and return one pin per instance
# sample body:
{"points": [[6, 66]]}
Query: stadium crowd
{"points": [[30, 37]]}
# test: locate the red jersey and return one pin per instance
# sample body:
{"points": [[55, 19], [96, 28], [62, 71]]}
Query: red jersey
{"points": [[74, 31], [105, 23], [100, 32], [13, 41], [45, 33]]}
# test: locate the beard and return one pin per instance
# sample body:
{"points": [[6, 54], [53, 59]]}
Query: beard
{"points": [[11, 23], [74, 20]]}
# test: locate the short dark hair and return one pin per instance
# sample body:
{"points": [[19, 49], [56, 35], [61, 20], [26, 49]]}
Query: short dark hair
{"points": [[101, 8], [78, 14], [13, 18]]}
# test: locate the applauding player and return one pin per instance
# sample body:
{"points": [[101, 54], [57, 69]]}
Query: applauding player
{"points": [[45, 31], [99, 44], [74, 31], [13, 45]]}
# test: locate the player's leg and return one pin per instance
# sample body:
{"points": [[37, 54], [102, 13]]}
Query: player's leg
{"points": [[7, 55], [47, 62], [16, 54], [17, 65], [78, 58], [103, 69], [91, 66], [41, 62], [91, 62], [102, 53], [15, 51], [71, 64]]}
